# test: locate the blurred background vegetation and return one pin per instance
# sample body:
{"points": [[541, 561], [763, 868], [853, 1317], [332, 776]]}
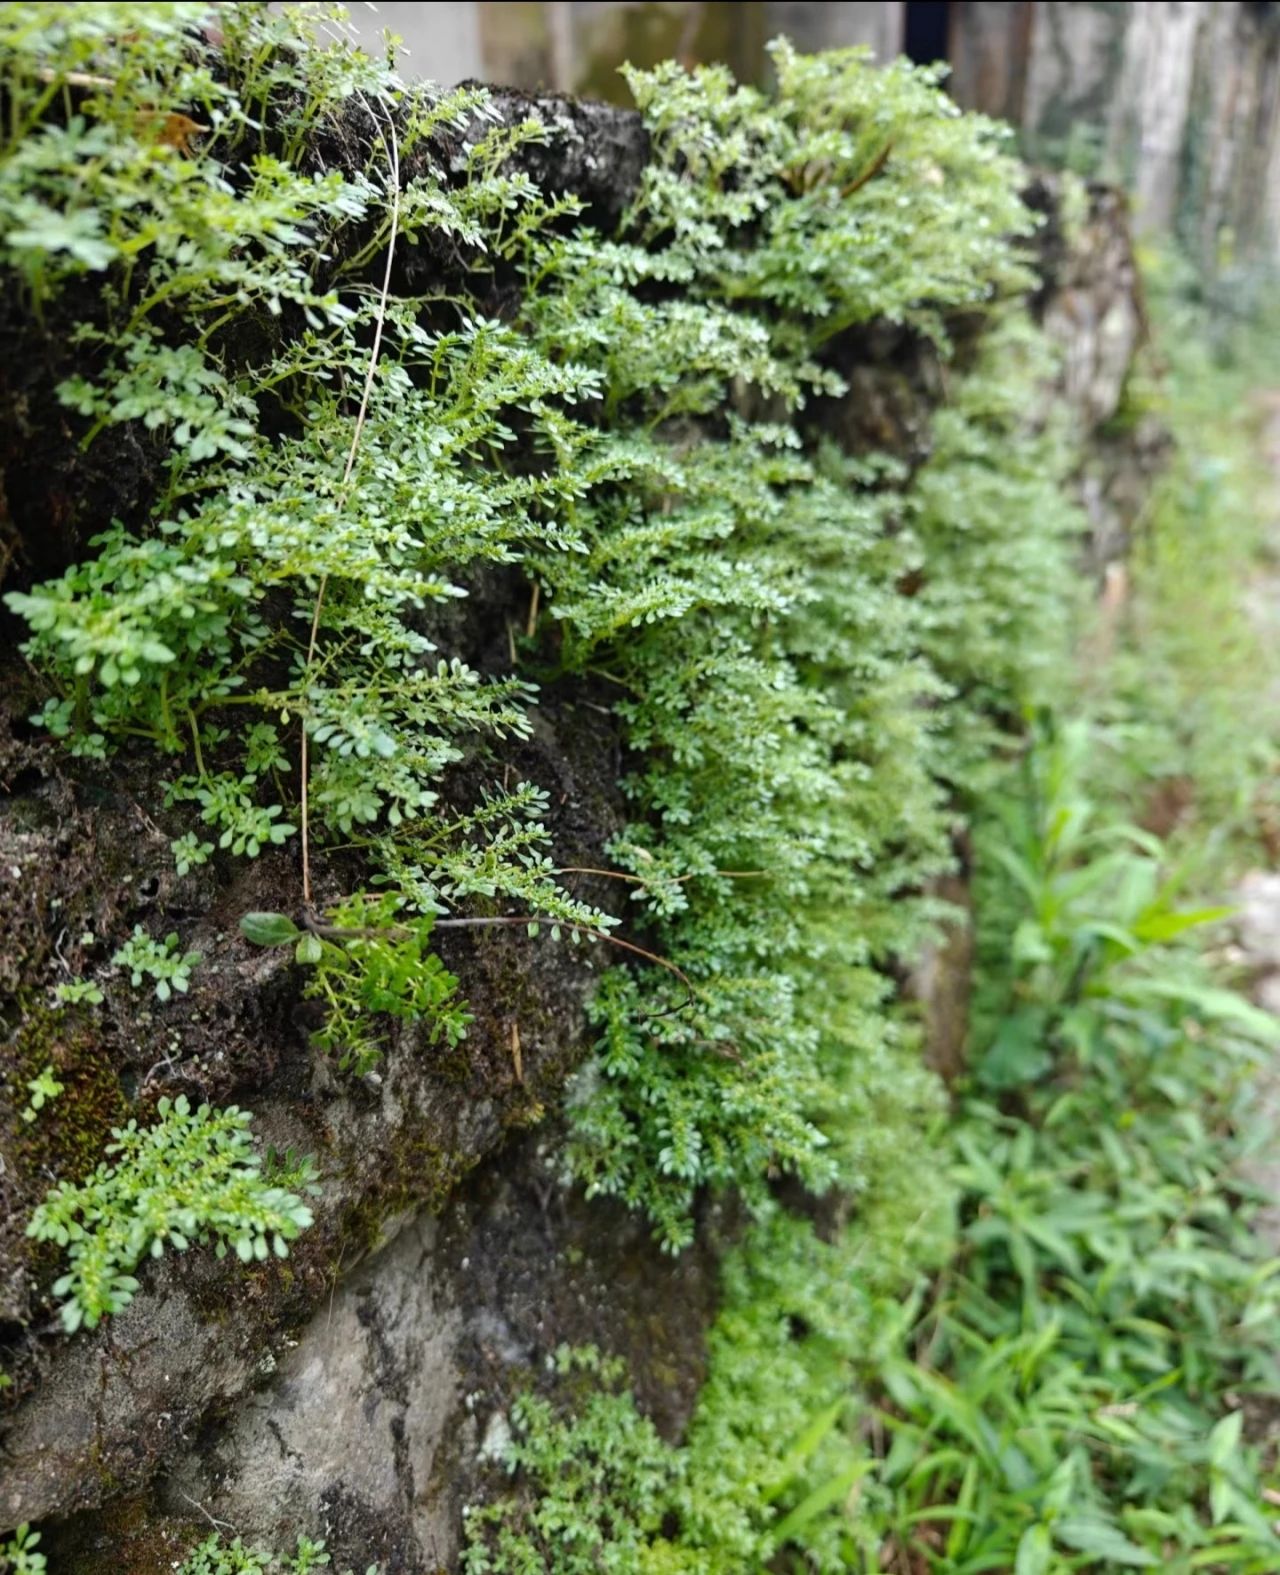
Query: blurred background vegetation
{"points": [[1179, 102]]}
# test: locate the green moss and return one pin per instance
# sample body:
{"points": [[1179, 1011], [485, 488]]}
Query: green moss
{"points": [[69, 1138], [416, 1173], [126, 1535]]}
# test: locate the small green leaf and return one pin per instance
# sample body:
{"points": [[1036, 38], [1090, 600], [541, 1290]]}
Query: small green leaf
{"points": [[268, 929], [1034, 1552], [1224, 1440], [309, 949], [1104, 1541]]}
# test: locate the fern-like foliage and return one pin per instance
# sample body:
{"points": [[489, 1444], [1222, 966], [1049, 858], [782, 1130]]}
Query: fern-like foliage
{"points": [[193, 628], [192, 1179], [638, 433], [791, 712]]}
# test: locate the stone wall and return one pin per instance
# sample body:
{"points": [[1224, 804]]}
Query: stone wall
{"points": [[356, 1395]]}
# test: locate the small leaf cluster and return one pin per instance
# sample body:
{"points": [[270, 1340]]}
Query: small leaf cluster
{"points": [[43, 1087], [216, 1556], [607, 1478], [191, 1179], [144, 197], [164, 962], [847, 195], [369, 960], [71, 992], [18, 1554]]}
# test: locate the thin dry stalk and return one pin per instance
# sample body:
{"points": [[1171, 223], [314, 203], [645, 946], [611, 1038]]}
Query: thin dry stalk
{"points": [[379, 323]]}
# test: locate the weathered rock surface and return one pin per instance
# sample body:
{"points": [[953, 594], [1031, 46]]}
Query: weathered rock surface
{"points": [[372, 1423], [89, 860]]}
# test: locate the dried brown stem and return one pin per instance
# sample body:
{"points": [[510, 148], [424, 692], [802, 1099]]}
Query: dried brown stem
{"points": [[641, 880]]}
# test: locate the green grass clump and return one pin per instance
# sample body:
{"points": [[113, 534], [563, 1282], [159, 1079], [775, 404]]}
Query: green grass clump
{"points": [[1074, 1393]]}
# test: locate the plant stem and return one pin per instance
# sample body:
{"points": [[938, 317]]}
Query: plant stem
{"points": [[346, 481]]}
